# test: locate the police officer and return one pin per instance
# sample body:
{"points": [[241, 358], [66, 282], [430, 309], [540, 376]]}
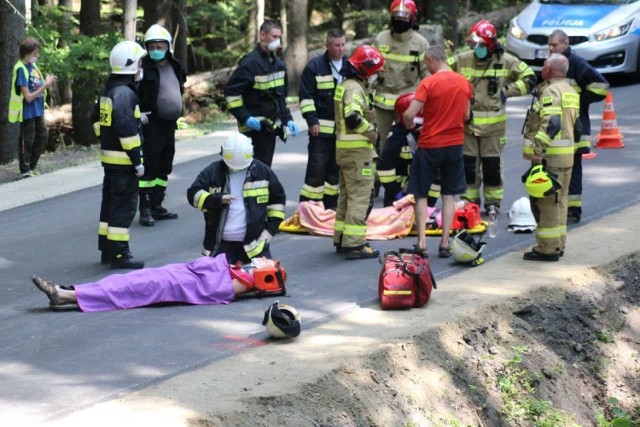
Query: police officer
{"points": [[256, 91], [396, 157], [495, 76], [160, 93], [550, 130], [403, 49], [317, 87], [121, 154], [242, 201], [592, 87], [355, 152]]}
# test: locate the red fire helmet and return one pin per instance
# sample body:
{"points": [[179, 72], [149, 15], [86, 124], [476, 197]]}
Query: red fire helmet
{"points": [[401, 105], [404, 9], [483, 32], [367, 61]]}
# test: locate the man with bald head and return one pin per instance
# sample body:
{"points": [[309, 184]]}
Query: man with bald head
{"points": [[549, 140], [592, 87]]}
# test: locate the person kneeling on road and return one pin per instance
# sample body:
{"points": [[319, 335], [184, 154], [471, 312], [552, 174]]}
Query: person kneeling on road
{"points": [[206, 280], [242, 201]]}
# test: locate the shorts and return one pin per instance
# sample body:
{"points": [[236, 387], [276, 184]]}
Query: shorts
{"points": [[426, 161]]}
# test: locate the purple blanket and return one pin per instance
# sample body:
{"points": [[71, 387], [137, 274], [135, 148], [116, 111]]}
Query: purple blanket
{"points": [[205, 280]]}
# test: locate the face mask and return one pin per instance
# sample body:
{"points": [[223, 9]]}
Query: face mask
{"points": [[399, 26], [481, 52], [157, 55], [274, 45], [33, 59], [139, 75], [372, 79]]}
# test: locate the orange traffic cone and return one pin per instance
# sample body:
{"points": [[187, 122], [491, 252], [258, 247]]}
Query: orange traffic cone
{"points": [[609, 136]]}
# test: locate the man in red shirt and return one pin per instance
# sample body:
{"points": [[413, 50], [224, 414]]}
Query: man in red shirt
{"points": [[444, 98]]}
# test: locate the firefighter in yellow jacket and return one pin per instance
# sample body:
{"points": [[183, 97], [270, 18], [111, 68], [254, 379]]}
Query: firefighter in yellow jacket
{"points": [[549, 143], [495, 76], [355, 153], [403, 49]]}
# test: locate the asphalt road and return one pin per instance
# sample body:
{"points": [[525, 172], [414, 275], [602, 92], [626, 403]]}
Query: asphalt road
{"points": [[53, 363]]}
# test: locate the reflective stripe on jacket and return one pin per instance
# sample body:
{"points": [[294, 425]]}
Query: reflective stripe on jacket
{"points": [[317, 88], [551, 123], [352, 97], [489, 77], [403, 64], [264, 200], [119, 115], [258, 87]]}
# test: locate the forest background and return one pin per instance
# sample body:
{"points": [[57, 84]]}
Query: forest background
{"points": [[209, 35]]}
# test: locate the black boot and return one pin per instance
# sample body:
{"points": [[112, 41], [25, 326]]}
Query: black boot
{"points": [[145, 217], [126, 261], [158, 212]]}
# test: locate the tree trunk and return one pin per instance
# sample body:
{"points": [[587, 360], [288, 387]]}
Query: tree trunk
{"points": [[64, 85], [362, 24], [252, 19], [180, 31], [296, 53], [451, 29], [83, 102], [157, 12], [11, 34], [339, 11], [130, 8]]}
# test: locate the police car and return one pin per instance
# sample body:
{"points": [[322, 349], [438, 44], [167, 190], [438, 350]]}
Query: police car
{"points": [[604, 32]]}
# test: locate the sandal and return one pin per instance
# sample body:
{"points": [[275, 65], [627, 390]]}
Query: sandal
{"points": [[444, 252], [422, 251]]}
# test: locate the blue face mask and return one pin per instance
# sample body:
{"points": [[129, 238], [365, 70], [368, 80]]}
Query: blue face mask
{"points": [[481, 52], [157, 55]]}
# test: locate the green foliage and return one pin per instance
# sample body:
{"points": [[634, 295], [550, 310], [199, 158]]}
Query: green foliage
{"points": [[217, 31], [69, 55], [517, 387], [619, 417]]}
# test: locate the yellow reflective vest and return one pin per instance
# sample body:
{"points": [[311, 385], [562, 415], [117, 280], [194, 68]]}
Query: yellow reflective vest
{"points": [[403, 63], [499, 73], [557, 104], [16, 101], [351, 97]]}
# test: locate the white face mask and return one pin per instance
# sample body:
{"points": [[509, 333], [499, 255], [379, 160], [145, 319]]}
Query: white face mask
{"points": [[139, 75], [274, 45], [372, 79]]}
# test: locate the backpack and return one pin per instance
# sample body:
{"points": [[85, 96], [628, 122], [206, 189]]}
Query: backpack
{"points": [[405, 280]]}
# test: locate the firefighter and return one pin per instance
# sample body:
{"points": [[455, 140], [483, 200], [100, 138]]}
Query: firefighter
{"points": [[160, 93], [355, 152], [403, 49], [550, 131], [317, 87], [256, 91], [118, 126], [242, 201], [592, 87], [395, 160], [495, 76]]}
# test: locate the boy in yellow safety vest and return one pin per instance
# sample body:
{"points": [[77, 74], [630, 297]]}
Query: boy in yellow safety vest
{"points": [[26, 106]]}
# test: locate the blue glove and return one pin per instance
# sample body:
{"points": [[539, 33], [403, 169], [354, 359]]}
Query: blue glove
{"points": [[293, 127], [253, 123], [503, 97]]}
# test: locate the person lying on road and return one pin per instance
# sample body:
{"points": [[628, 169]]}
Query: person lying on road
{"points": [[206, 280]]}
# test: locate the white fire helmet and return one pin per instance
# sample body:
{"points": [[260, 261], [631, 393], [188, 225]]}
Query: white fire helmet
{"points": [[282, 321], [124, 57], [466, 249], [237, 151], [157, 33], [521, 219]]}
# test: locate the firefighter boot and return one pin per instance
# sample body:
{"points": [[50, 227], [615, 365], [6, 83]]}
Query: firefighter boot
{"points": [[158, 212], [145, 211], [126, 261]]}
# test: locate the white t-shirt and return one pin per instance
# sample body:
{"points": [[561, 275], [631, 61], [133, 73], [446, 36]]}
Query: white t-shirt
{"points": [[236, 226], [336, 66]]}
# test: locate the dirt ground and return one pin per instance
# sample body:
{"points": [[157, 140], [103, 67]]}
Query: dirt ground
{"points": [[551, 358]]}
